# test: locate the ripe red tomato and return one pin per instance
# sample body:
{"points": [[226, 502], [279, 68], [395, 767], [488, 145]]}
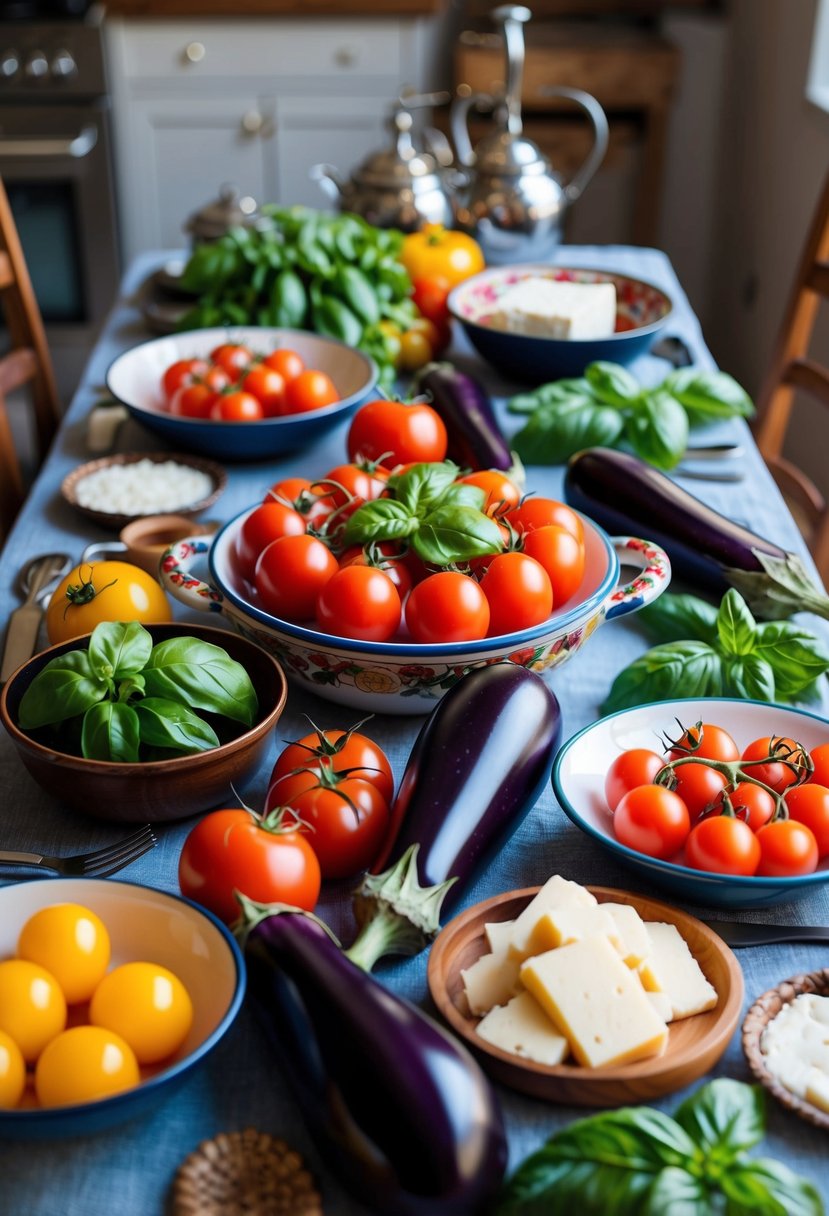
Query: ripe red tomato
{"points": [[518, 591], [707, 741], [216, 378], [266, 524], [182, 373], [786, 848], [562, 556], [345, 825], [290, 574], [382, 556], [233, 358], [722, 844], [359, 602], [193, 401], [237, 406], [299, 493], [310, 390], [268, 387], [447, 607], [337, 750], [751, 803], [820, 759], [502, 494], [809, 804], [397, 433], [698, 786], [776, 774], [232, 849], [637, 766], [652, 820], [358, 479], [287, 362], [430, 293], [538, 512]]}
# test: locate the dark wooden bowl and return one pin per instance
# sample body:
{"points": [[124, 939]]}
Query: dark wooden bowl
{"points": [[160, 790]]}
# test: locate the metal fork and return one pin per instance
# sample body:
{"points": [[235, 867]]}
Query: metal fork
{"points": [[100, 863]]}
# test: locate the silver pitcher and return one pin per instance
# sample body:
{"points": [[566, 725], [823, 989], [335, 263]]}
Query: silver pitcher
{"points": [[512, 201]]}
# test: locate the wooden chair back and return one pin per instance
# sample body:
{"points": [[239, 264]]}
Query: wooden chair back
{"points": [[26, 363], [794, 370]]}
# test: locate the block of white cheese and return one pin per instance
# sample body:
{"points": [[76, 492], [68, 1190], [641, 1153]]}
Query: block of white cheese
{"points": [[796, 1047], [670, 967], [490, 981], [523, 1028], [557, 892], [549, 308], [596, 1002], [661, 1004], [634, 942], [560, 926], [498, 934]]}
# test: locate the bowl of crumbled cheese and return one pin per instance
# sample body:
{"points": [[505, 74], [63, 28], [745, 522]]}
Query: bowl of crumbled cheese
{"points": [[118, 489]]}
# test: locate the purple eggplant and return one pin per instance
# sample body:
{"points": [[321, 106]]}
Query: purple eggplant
{"points": [[475, 438], [398, 1108]]}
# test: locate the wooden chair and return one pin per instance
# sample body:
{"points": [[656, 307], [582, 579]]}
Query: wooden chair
{"points": [[26, 363], [793, 370]]}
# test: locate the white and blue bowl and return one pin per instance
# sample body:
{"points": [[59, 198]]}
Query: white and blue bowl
{"points": [[144, 925], [135, 380], [582, 763], [641, 312]]}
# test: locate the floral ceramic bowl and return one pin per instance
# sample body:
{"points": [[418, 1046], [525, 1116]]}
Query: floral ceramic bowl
{"points": [[641, 311], [408, 677]]}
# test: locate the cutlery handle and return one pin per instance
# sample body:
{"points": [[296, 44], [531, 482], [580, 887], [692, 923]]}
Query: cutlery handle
{"points": [[750, 933], [20, 859], [21, 638]]}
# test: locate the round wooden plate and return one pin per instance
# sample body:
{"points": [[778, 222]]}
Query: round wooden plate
{"points": [[113, 519], [764, 1009], [694, 1044]]}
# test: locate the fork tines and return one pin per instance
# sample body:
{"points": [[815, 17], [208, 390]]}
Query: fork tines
{"points": [[108, 860]]}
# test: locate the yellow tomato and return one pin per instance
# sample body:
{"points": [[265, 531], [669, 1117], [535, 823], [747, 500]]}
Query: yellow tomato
{"points": [[103, 591], [147, 1005], [32, 1006], [12, 1072], [72, 943], [415, 350], [84, 1064], [436, 250]]}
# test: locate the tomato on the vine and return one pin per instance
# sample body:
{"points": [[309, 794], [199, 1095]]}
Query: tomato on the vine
{"points": [[502, 494], [707, 742], [194, 400], [299, 493], [698, 786], [820, 759], [518, 592], [345, 818], [360, 478], [232, 357], [359, 602], [182, 373], [287, 362], [268, 387], [636, 766], [339, 750], [722, 844], [749, 802], [787, 848], [652, 820], [267, 523], [397, 433], [809, 804], [382, 556], [535, 512], [562, 556], [776, 774], [290, 574], [447, 607]]}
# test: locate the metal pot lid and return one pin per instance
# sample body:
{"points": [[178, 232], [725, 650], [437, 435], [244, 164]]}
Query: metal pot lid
{"points": [[389, 170], [229, 210], [501, 153]]}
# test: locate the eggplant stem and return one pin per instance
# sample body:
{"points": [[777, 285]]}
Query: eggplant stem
{"points": [[252, 913]]}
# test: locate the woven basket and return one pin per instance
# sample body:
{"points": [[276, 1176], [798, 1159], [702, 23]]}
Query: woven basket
{"points": [[247, 1173]]}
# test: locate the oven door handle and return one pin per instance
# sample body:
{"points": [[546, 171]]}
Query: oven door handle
{"points": [[30, 149]]}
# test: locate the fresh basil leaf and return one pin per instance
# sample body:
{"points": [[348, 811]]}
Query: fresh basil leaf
{"points": [[460, 495], [163, 723], [524, 403], [724, 1116], [612, 384], [750, 677], [558, 392], [455, 534], [736, 627], [66, 686], [132, 686], [675, 618], [422, 485], [202, 676], [796, 656], [677, 1191], [382, 519], [110, 732], [762, 1185], [554, 433], [657, 429], [119, 648], [676, 669], [708, 395]]}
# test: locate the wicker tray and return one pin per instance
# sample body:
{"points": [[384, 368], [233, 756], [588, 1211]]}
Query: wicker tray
{"points": [[247, 1173]]}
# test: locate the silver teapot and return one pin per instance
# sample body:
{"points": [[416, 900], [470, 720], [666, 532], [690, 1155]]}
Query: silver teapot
{"points": [[512, 201], [399, 186]]}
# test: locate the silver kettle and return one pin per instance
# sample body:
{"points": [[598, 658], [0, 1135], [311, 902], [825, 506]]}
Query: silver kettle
{"points": [[399, 186], [512, 201]]}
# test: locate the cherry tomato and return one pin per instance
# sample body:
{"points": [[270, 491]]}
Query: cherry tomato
{"points": [[562, 556], [103, 591], [32, 1006], [84, 1064], [345, 825], [268, 387], [291, 573], [147, 1005], [232, 358], [809, 804], [637, 766], [538, 512], [382, 556], [435, 250], [287, 362], [430, 294], [722, 844], [310, 390], [337, 750], [216, 378], [298, 492], [237, 406], [397, 433], [652, 820], [698, 786], [518, 591], [776, 774], [181, 373], [71, 943], [193, 401], [502, 494], [358, 479], [261, 858], [787, 848], [751, 803], [820, 759], [415, 349], [12, 1072], [359, 602], [267, 523], [709, 742], [447, 607]]}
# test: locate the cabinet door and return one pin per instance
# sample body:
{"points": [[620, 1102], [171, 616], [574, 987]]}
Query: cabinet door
{"points": [[177, 154], [340, 131]]}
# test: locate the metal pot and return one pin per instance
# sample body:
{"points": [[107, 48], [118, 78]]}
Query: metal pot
{"points": [[217, 217]]}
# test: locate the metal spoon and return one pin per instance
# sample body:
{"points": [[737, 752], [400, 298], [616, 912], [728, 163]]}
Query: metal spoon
{"points": [[35, 581]]}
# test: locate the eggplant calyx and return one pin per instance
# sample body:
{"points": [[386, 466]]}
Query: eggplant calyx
{"points": [[781, 588], [395, 913], [253, 913]]}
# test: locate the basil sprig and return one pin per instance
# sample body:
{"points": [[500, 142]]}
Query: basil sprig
{"points": [[710, 652], [607, 407], [130, 695], [640, 1162], [440, 520]]}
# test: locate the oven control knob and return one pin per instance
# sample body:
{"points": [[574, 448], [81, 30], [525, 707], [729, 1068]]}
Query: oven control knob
{"points": [[9, 65], [37, 66], [63, 65]]}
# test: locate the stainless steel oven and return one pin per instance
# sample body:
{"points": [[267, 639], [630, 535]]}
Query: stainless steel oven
{"points": [[56, 165]]}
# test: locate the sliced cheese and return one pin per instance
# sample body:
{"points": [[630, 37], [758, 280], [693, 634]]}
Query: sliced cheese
{"points": [[550, 308], [523, 1028], [670, 967], [596, 1002], [557, 892], [633, 936], [560, 926], [498, 934], [661, 1005], [491, 981]]}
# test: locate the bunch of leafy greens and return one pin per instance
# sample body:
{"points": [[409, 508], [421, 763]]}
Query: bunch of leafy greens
{"points": [[608, 407], [640, 1162], [134, 699], [303, 269], [442, 520], [710, 652]]}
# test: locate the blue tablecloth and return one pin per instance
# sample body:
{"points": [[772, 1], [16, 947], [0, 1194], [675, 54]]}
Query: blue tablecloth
{"points": [[129, 1170]]}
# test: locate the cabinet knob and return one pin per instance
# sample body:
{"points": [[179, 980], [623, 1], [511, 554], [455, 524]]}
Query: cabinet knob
{"points": [[37, 66], [194, 52], [9, 65], [252, 122], [345, 56], [63, 65]]}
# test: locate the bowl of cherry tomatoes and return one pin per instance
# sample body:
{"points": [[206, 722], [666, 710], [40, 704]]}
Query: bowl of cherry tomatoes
{"points": [[111, 993], [721, 802], [242, 394]]}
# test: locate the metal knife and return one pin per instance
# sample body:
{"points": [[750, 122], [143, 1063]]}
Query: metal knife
{"points": [[24, 622], [751, 933]]}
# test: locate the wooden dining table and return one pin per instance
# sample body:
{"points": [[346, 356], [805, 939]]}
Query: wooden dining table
{"points": [[129, 1169]]}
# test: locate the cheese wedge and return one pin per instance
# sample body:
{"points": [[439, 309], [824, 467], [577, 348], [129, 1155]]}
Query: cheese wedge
{"points": [[498, 934], [557, 892], [634, 942], [491, 981], [661, 1004], [523, 1028], [547, 308], [561, 926], [671, 968], [596, 1002]]}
